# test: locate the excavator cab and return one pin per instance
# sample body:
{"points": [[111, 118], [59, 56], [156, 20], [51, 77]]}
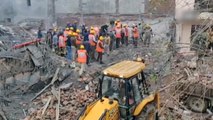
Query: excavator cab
{"points": [[123, 94]]}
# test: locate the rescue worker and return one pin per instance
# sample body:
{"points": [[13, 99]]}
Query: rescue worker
{"points": [[70, 31], [61, 44], [210, 39], [107, 43], [93, 42], [100, 49], [135, 35], [82, 59], [126, 35], [78, 38], [147, 34]]}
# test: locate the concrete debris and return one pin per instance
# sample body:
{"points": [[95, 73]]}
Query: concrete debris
{"points": [[195, 80], [71, 102], [61, 95]]}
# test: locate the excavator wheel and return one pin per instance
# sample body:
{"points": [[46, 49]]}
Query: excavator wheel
{"points": [[197, 104], [148, 113]]}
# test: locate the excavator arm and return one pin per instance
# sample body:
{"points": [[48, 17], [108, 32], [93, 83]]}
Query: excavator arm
{"points": [[153, 98]]}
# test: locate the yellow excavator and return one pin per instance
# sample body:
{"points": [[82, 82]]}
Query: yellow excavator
{"points": [[123, 95]]}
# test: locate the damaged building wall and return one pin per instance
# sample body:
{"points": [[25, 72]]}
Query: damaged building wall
{"points": [[131, 7], [6, 10], [103, 6], [37, 9], [67, 6], [19, 10], [183, 31]]}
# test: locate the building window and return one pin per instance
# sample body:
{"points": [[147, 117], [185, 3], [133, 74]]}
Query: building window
{"points": [[8, 20], [29, 2]]}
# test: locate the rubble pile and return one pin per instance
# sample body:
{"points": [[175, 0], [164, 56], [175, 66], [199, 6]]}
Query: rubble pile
{"points": [[26, 71], [72, 101], [188, 75], [70, 98], [14, 34], [35, 63]]}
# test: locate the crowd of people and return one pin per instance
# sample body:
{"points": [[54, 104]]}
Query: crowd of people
{"points": [[88, 44]]}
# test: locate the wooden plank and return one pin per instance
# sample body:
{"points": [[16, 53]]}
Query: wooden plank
{"points": [[52, 82]]}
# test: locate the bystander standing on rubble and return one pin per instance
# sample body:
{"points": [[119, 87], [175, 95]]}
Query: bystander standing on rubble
{"points": [[82, 59], [118, 33], [122, 35], [141, 30], [69, 48], [73, 45], [126, 35], [86, 43], [49, 38], [66, 31], [39, 33], [107, 43], [61, 44], [147, 34], [100, 49], [135, 33], [55, 41], [75, 25], [112, 37]]}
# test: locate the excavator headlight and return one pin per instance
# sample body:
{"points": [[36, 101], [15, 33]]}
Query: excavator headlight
{"points": [[121, 76], [105, 73]]}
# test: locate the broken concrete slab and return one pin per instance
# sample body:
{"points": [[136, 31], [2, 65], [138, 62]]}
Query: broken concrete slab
{"points": [[37, 61], [35, 51], [10, 80], [35, 77]]}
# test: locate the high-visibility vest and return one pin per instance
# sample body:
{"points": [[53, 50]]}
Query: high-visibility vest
{"points": [[61, 42], [91, 39], [118, 32], [78, 40], [82, 56], [98, 48], [135, 33]]}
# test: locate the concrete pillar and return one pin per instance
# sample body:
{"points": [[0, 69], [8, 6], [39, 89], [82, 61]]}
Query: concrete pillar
{"points": [[185, 37], [117, 7], [51, 17]]}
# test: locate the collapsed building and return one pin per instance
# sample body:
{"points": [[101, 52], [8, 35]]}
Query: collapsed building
{"points": [[193, 18]]}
